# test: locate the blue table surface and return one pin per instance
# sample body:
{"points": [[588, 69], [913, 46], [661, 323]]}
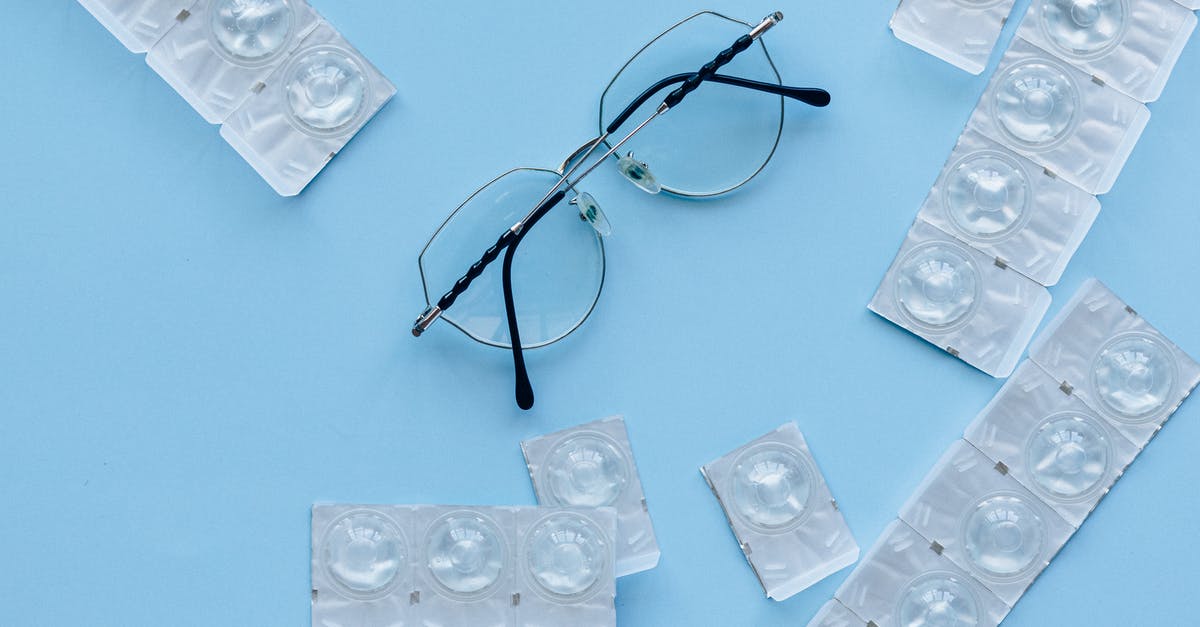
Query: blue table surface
{"points": [[188, 361]]}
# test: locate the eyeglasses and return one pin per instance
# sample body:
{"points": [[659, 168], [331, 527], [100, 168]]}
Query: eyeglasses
{"points": [[723, 138]]}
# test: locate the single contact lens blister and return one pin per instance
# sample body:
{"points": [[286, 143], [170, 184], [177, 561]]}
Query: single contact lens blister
{"points": [[1131, 45], [1057, 116], [1009, 208], [307, 110], [961, 300], [1051, 442], [834, 614], [781, 512], [482, 566], [138, 24], [985, 521], [592, 466], [904, 582], [960, 32], [1101, 350], [219, 55]]}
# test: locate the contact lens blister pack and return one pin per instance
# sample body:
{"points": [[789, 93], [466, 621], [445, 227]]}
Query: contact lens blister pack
{"points": [[307, 110], [960, 32], [961, 300], [225, 49], [1100, 350], [138, 24], [1051, 442], [985, 522], [402, 565], [1009, 208], [903, 582], [834, 614], [1057, 116], [592, 465], [1131, 45], [781, 512]]}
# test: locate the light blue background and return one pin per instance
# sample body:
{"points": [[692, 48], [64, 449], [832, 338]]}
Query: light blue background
{"points": [[188, 361]]}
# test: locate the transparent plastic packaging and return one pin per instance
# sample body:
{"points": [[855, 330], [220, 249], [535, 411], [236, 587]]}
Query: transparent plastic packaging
{"points": [[985, 522], [960, 32], [138, 24], [1131, 45], [1008, 208], [400, 565], [960, 300], [592, 465], [903, 582], [225, 49], [1052, 443], [1191, 4], [307, 110], [1057, 116], [781, 512], [834, 614], [1115, 362]]}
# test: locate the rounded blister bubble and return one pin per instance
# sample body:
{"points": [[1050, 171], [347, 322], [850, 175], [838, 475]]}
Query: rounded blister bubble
{"points": [[938, 285], [1036, 103], [1003, 536], [1134, 376], [939, 599], [1084, 28], [586, 470], [252, 32], [1068, 456], [326, 90], [986, 195], [465, 553], [363, 552], [772, 485], [566, 555]]}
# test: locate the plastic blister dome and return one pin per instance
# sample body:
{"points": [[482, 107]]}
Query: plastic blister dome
{"points": [[586, 470], [363, 552], [987, 195], [566, 555], [1084, 28], [937, 285], [1003, 535], [1134, 377], [1036, 103], [466, 554], [939, 599], [326, 89], [1069, 456], [252, 32], [771, 486]]}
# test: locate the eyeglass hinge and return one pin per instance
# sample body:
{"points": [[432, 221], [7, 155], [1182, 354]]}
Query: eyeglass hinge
{"points": [[427, 318]]}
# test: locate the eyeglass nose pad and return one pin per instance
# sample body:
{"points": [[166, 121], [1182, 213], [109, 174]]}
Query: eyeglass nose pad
{"points": [[639, 174], [589, 211]]}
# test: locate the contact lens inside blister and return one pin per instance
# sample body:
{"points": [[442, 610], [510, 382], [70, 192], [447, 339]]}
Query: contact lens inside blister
{"points": [[937, 285], [465, 553], [566, 554], [1003, 536], [772, 485], [326, 90], [987, 195], [1084, 28], [1036, 103], [252, 31], [1068, 456], [938, 599], [586, 470], [363, 552], [1133, 377]]}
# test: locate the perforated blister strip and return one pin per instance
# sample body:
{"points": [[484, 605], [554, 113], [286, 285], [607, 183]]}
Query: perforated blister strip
{"points": [[138, 24], [960, 32]]}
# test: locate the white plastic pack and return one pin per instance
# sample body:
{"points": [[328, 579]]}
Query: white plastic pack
{"points": [[1191, 4], [1009, 208], [226, 48], [1057, 116], [1102, 351], [985, 522], [398, 565], [1130, 44], [138, 24], [307, 110], [834, 614], [903, 582], [781, 512], [1051, 443], [592, 465], [960, 300], [960, 32]]}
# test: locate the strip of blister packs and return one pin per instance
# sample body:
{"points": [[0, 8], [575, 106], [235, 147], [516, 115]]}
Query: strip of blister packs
{"points": [[592, 465], [781, 512], [960, 32], [440, 565], [961, 300], [138, 24]]}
